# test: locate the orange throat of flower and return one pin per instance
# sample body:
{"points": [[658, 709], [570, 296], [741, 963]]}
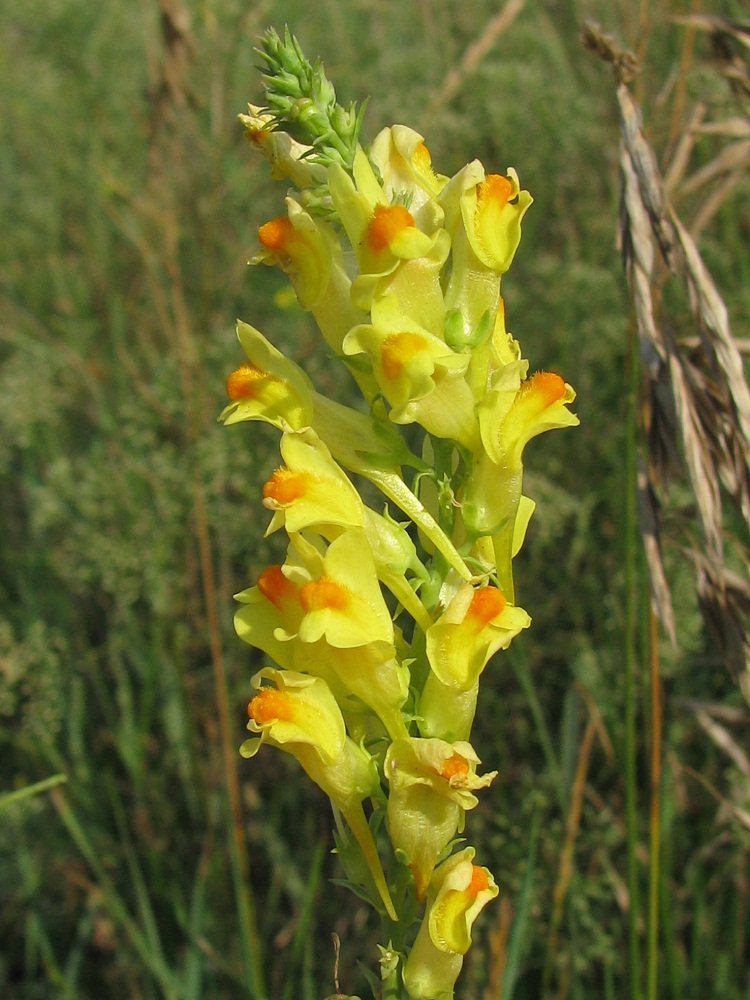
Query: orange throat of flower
{"points": [[494, 190], [323, 593], [277, 234], [270, 705], [284, 487], [276, 588], [397, 350], [244, 382], [486, 604], [455, 766], [544, 388], [479, 881], [386, 223]]}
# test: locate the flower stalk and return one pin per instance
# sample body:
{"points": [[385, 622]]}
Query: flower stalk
{"points": [[380, 629]]}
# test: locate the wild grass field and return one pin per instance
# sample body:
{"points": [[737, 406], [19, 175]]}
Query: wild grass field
{"points": [[156, 864]]}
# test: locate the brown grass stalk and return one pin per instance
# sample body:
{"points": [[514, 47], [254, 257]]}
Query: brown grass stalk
{"points": [[474, 55], [498, 938], [171, 98], [565, 866], [698, 402]]}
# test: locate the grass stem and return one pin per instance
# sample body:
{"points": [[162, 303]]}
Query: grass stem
{"points": [[654, 813], [630, 627]]}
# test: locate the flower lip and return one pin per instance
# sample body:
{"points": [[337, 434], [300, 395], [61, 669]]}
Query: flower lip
{"points": [[486, 604], [495, 188], [242, 382], [397, 350], [276, 234], [454, 766], [323, 593], [386, 223], [270, 705], [479, 881], [275, 587], [547, 388], [284, 487]]}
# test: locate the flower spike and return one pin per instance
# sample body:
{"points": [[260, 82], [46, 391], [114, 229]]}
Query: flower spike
{"points": [[385, 614]]}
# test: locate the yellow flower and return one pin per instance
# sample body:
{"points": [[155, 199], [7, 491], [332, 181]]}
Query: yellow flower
{"points": [[288, 158], [342, 601], [300, 711], [507, 424], [271, 619], [381, 233], [483, 215], [269, 388], [274, 389], [270, 611], [473, 627], [492, 213], [512, 413], [325, 593], [405, 167], [458, 893], [419, 375], [431, 784], [299, 714], [310, 489], [303, 249], [311, 255]]}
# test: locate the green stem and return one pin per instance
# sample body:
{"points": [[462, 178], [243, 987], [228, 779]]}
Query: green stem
{"points": [[630, 628], [407, 598], [44, 785], [393, 487], [391, 986], [517, 660], [654, 874]]}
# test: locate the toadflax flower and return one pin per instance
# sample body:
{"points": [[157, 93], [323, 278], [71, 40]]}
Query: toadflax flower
{"points": [[402, 511], [474, 626], [509, 417], [458, 893], [431, 785], [300, 715]]}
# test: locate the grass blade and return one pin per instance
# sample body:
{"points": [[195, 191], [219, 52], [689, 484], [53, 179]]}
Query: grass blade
{"points": [[517, 941], [36, 789]]}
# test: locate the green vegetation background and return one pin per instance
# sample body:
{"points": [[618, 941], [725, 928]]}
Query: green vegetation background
{"points": [[129, 202]]}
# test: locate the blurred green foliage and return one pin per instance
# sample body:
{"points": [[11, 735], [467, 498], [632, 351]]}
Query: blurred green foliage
{"points": [[129, 203]]}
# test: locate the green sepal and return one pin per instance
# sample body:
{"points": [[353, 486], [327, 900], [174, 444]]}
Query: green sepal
{"points": [[401, 856], [482, 330], [457, 337], [453, 330]]}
